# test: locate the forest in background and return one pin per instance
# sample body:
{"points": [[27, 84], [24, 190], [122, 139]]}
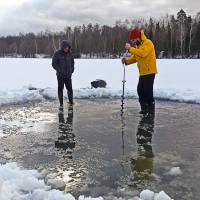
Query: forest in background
{"points": [[173, 36]]}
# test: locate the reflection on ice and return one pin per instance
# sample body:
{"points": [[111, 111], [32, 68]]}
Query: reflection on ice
{"points": [[66, 139], [142, 164]]}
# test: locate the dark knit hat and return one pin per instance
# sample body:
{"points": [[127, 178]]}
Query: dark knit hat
{"points": [[135, 33], [64, 44]]}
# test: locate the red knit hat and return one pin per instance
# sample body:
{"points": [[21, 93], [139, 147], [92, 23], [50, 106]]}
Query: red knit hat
{"points": [[135, 33]]}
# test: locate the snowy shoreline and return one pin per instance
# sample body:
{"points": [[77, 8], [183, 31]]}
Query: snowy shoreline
{"points": [[177, 80], [27, 95]]}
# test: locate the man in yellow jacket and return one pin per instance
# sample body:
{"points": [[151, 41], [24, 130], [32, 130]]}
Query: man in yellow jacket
{"points": [[143, 52]]}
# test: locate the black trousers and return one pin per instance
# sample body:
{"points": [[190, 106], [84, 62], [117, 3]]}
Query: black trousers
{"points": [[68, 84], [145, 89]]}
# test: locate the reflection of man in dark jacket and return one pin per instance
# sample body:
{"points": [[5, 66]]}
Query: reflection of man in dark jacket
{"points": [[66, 139], [142, 166], [63, 63]]}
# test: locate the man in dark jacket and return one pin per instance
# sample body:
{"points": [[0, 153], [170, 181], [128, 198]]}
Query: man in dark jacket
{"points": [[63, 63]]}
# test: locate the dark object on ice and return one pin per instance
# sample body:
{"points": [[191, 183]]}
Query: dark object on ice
{"points": [[32, 88], [98, 83]]}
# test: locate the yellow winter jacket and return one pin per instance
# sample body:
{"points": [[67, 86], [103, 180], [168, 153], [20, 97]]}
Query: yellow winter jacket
{"points": [[144, 55]]}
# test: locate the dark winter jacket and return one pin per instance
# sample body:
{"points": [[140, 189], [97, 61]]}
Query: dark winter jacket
{"points": [[63, 62]]}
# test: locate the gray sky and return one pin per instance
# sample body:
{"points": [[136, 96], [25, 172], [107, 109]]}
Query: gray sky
{"points": [[37, 15]]}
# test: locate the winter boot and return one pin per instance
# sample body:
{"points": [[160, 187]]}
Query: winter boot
{"points": [[61, 103], [60, 97], [144, 108], [70, 97], [151, 108], [61, 108]]}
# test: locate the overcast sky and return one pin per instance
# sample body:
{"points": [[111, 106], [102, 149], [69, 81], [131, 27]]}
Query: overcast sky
{"points": [[37, 15]]}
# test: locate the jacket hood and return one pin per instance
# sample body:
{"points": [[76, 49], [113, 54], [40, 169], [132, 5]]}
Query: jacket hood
{"points": [[64, 44], [143, 36]]}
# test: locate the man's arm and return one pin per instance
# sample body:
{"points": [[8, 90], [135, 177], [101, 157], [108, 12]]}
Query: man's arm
{"points": [[72, 64], [143, 51], [55, 63], [130, 60]]}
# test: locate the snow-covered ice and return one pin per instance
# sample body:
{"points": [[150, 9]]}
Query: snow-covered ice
{"points": [[21, 184], [177, 79]]}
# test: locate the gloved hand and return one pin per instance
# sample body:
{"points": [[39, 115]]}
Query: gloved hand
{"points": [[124, 61]]}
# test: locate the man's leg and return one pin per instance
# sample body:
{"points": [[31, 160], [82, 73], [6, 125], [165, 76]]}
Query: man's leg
{"points": [[68, 85], [60, 90], [149, 92], [141, 95]]}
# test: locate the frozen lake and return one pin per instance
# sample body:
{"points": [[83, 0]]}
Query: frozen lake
{"points": [[97, 153], [91, 148]]}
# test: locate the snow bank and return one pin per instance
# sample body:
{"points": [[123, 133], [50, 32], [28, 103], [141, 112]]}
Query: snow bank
{"points": [[177, 80], [20, 184], [25, 95]]}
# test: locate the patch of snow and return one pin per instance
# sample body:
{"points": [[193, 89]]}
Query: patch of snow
{"points": [[175, 171], [150, 195], [147, 195], [22, 184], [162, 196]]}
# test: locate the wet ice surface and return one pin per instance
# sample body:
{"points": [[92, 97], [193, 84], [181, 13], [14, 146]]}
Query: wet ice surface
{"points": [[97, 153]]}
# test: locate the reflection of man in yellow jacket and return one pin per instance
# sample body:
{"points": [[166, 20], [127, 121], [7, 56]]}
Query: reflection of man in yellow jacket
{"points": [[143, 52]]}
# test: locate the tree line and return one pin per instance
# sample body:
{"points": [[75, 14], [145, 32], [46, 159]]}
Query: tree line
{"points": [[173, 36]]}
